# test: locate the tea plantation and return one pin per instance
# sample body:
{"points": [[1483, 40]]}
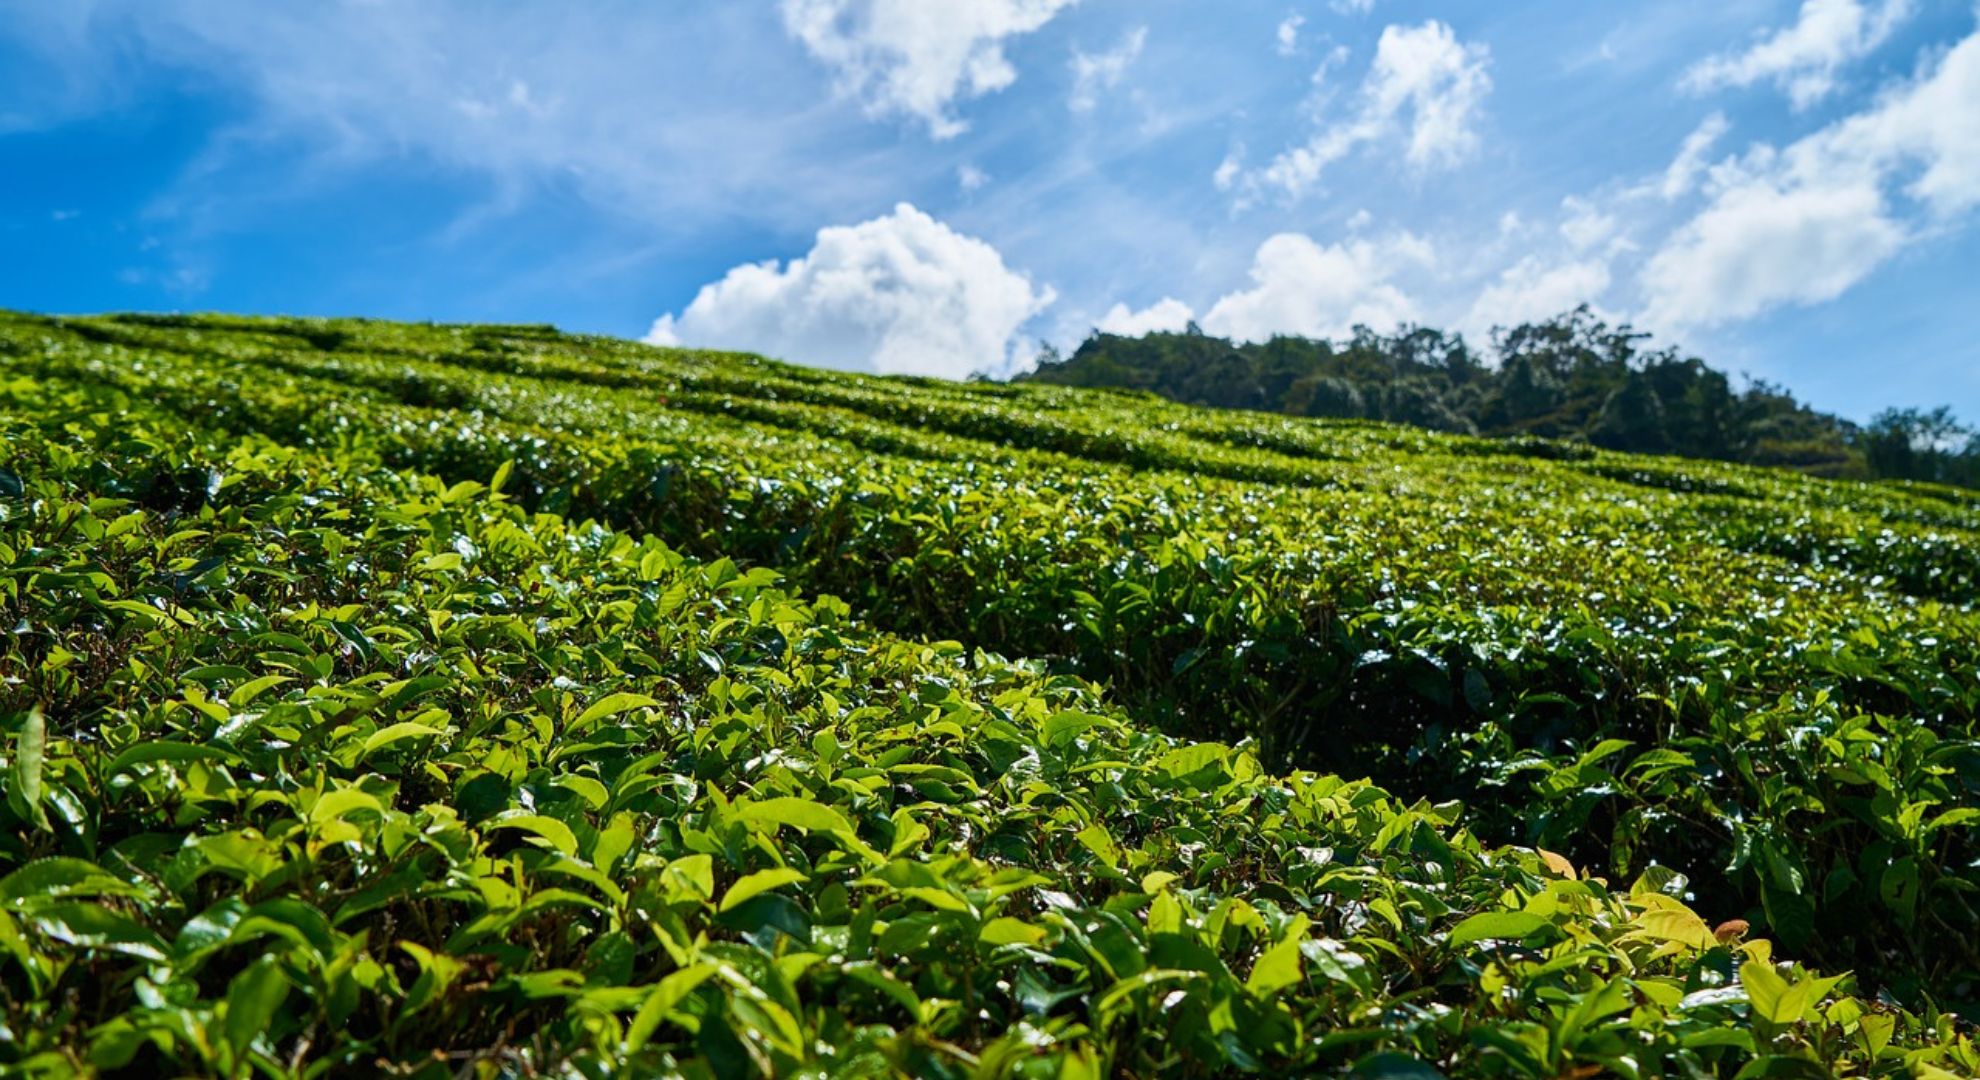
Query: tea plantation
{"points": [[483, 701]]}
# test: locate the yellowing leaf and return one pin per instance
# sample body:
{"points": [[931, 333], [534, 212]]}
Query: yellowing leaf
{"points": [[1557, 863], [1876, 1029], [1008, 931], [1665, 919]]}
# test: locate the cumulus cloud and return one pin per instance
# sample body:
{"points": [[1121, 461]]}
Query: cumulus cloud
{"points": [[1587, 225], [1760, 244], [1929, 125], [1165, 315], [1309, 289], [1804, 59], [1094, 72], [1439, 81], [917, 58], [1424, 85], [1534, 289], [901, 294], [1804, 224]]}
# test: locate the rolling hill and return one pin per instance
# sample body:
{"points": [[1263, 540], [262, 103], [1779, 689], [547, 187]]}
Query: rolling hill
{"points": [[485, 700]]}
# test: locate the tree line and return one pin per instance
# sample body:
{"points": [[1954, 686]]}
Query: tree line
{"points": [[1572, 377]]}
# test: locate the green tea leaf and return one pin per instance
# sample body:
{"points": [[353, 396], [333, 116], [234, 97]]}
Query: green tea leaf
{"points": [[762, 881], [660, 1002], [30, 750], [253, 999], [1507, 925], [399, 732], [794, 812], [548, 829], [154, 752], [612, 705], [1278, 967]]}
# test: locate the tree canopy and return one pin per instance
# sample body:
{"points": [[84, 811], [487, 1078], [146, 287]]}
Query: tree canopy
{"points": [[1572, 377]]}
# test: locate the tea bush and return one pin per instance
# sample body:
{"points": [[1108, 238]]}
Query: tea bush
{"points": [[444, 699]]}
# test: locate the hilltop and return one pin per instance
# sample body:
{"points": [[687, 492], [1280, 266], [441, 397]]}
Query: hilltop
{"points": [[451, 697], [1573, 377]]}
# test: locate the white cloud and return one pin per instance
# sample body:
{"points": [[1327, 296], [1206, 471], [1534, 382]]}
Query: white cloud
{"points": [[1166, 315], [1682, 174], [914, 57], [1586, 224], [1352, 7], [1532, 290], [1228, 170], [1323, 89], [499, 100], [1094, 72], [1288, 34], [1758, 246], [1424, 82], [1304, 288], [1931, 124], [1804, 224], [1804, 59], [901, 294], [970, 178], [1440, 81]]}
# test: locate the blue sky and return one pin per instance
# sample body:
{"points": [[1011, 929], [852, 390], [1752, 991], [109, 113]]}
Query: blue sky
{"points": [[1786, 188]]}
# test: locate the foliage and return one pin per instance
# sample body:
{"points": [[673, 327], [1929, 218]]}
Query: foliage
{"points": [[1915, 444], [1571, 377], [439, 699]]}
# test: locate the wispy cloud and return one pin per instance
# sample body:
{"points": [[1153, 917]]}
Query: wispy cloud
{"points": [[1805, 58], [1096, 72], [1424, 86], [1287, 35], [516, 99], [1682, 175]]}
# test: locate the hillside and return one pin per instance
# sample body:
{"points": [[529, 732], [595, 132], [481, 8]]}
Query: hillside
{"points": [[455, 700], [1573, 377]]}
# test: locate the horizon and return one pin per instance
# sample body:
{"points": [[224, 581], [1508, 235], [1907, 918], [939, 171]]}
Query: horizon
{"points": [[1786, 190]]}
